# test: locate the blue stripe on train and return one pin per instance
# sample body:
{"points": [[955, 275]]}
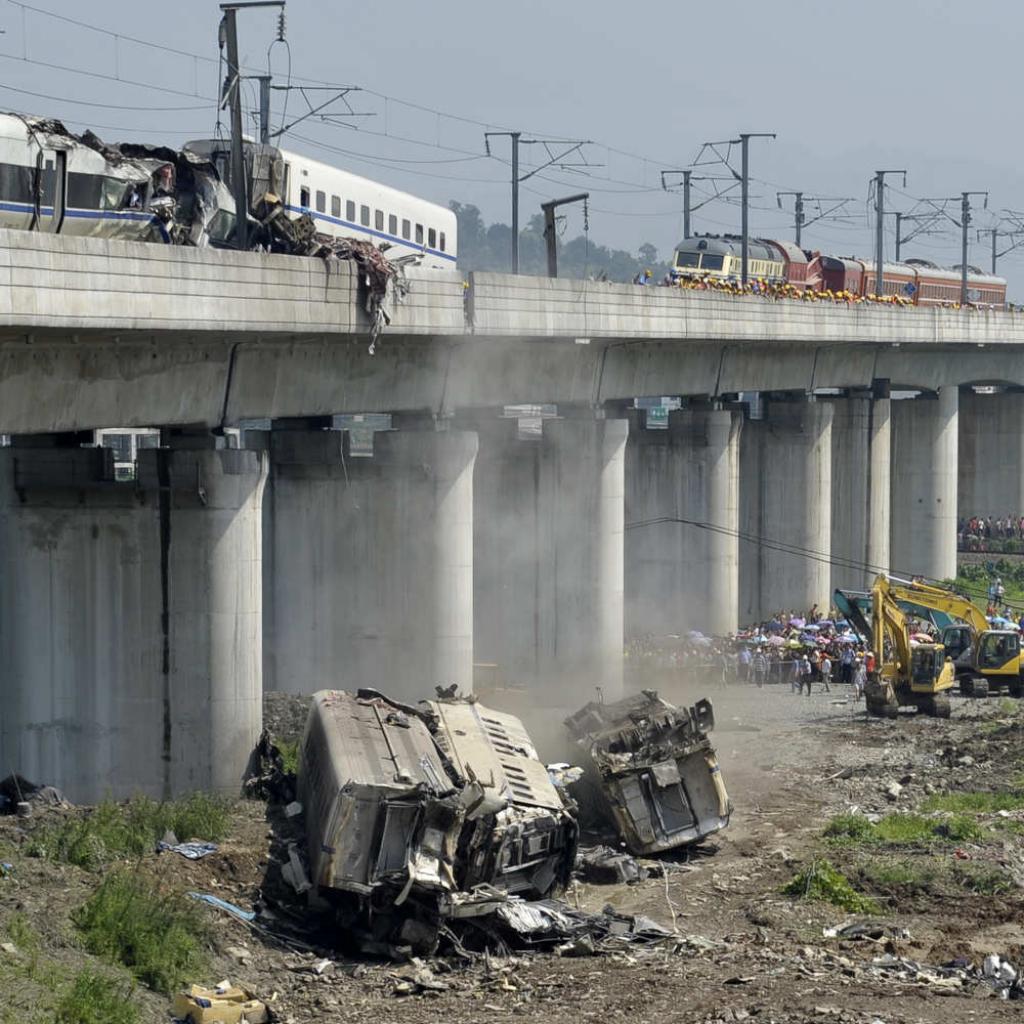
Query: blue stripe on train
{"points": [[371, 231]]}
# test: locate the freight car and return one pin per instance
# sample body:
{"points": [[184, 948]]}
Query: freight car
{"points": [[917, 281]]}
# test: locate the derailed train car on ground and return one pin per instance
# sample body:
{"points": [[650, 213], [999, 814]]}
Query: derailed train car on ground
{"points": [[654, 768], [417, 814]]}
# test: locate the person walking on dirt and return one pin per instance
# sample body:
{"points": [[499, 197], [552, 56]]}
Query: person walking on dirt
{"points": [[795, 678], [826, 672], [806, 674], [759, 666], [846, 664], [860, 678]]}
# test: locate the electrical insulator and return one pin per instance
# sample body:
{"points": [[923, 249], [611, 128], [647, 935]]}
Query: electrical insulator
{"points": [[280, 26]]}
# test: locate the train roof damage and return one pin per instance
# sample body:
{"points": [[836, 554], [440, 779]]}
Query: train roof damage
{"points": [[653, 768]]}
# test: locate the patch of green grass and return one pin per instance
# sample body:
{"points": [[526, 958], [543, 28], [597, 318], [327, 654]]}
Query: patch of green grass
{"points": [[981, 878], [902, 830], [822, 881], [92, 998], [114, 831], [158, 937], [289, 755], [886, 874], [975, 802]]}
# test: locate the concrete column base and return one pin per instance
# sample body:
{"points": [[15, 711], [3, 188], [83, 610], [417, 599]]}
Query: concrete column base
{"points": [[130, 622]]}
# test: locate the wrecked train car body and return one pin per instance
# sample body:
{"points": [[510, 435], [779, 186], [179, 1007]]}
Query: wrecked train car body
{"points": [[410, 810], [654, 768]]}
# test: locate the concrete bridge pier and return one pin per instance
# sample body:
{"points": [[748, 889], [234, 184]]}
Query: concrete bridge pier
{"points": [[925, 449], [861, 486], [991, 454], [548, 556], [372, 580], [786, 509], [130, 622], [682, 575]]}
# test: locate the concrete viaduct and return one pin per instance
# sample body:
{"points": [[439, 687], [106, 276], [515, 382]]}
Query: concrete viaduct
{"points": [[140, 621]]}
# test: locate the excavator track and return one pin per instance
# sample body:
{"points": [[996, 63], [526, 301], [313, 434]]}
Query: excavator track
{"points": [[935, 706]]}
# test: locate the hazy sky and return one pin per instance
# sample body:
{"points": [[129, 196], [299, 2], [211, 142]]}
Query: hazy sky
{"points": [[848, 89]]}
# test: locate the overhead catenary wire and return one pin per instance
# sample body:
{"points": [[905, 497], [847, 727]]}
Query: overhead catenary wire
{"points": [[799, 551]]}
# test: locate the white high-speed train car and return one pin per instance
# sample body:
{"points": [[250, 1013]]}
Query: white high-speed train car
{"points": [[346, 205], [51, 182]]}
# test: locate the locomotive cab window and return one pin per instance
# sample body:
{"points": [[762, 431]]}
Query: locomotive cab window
{"points": [[687, 259], [712, 262], [304, 196], [321, 202]]}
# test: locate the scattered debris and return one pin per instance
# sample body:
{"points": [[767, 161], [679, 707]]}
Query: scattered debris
{"points": [[18, 796], [224, 1004], [193, 851], [216, 901], [604, 866], [655, 768]]}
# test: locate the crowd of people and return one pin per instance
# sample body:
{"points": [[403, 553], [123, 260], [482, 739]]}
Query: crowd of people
{"points": [[778, 290], [976, 533]]}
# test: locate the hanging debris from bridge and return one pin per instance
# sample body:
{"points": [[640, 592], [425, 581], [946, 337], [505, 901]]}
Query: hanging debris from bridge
{"points": [[653, 768]]}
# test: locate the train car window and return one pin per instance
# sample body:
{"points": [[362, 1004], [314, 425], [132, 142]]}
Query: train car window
{"points": [[15, 183], [419, 234], [304, 196], [350, 210], [364, 216], [406, 230], [378, 219], [432, 239], [321, 202], [441, 246], [392, 224], [335, 206]]}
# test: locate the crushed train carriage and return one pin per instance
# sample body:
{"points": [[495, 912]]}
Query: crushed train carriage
{"points": [[418, 814], [654, 768]]}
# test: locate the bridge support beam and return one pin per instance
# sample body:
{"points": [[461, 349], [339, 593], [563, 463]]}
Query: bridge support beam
{"points": [[861, 488], [924, 463], [130, 622], [683, 575], [373, 562], [786, 509], [991, 455], [549, 557]]}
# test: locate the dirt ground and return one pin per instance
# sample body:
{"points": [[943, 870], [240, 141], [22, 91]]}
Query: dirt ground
{"points": [[744, 950]]}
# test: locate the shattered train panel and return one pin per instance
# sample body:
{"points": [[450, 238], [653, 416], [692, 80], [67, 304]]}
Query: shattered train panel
{"points": [[655, 769]]}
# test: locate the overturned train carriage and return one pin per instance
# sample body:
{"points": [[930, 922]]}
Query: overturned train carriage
{"points": [[653, 766], [421, 810]]}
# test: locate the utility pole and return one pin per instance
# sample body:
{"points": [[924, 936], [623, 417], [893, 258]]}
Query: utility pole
{"points": [[549, 226], [264, 81], [798, 211], [233, 96], [517, 141], [744, 141], [965, 220], [880, 224], [688, 178]]}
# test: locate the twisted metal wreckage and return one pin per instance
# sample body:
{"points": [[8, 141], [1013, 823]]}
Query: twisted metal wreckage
{"points": [[178, 197], [441, 822]]}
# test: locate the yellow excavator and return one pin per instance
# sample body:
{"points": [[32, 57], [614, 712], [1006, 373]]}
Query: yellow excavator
{"points": [[905, 674], [984, 659]]}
